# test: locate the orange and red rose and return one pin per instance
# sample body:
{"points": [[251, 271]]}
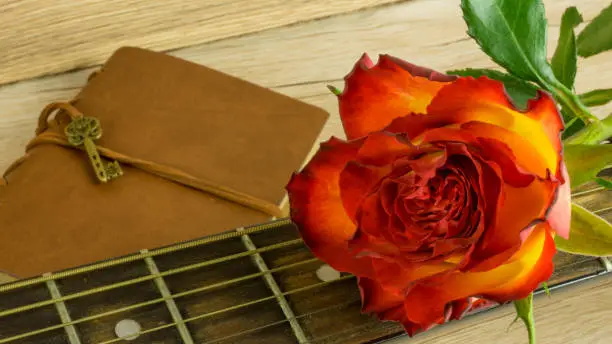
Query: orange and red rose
{"points": [[442, 194]]}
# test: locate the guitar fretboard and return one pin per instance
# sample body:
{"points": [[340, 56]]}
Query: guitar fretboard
{"points": [[253, 285]]}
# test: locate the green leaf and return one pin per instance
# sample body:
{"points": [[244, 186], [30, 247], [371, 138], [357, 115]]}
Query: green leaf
{"points": [[592, 134], [564, 61], [583, 162], [597, 97], [518, 90], [597, 35], [513, 34], [606, 183], [572, 126], [546, 290], [589, 234], [524, 311]]}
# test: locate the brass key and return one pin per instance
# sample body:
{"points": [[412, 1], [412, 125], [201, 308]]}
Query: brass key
{"points": [[84, 131]]}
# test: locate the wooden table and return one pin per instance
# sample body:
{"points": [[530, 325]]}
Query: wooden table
{"points": [[47, 48]]}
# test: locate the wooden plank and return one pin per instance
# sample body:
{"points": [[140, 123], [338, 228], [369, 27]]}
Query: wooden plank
{"points": [[573, 315], [52, 36], [300, 60]]}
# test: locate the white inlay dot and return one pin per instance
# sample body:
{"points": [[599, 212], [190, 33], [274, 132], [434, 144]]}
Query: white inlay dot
{"points": [[326, 273], [127, 329]]}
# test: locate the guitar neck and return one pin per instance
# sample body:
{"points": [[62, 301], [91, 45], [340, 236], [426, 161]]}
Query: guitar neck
{"points": [[255, 285]]}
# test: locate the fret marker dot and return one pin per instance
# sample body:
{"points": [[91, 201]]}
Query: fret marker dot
{"points": [[326, 273], [127, 329]]}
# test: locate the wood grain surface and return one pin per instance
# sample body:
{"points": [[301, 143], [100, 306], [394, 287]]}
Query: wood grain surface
{"points": [[279, 44], [51, 36], [573, 315]]}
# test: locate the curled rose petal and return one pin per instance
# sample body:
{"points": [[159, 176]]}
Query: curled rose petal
{"points": [[386, 304], [560, 213], [317, 208], [377, 94], [528, 267], [375, 298], [484, 100], [521, 208]]}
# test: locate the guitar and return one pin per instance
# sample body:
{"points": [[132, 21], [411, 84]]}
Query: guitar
{"points": [[259, 284]]}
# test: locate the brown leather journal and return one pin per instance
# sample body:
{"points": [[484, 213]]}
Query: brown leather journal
{"points": [[201, 152]]}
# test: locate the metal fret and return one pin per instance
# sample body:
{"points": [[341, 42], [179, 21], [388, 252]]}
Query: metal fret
{"points": [[60, 306], [271, 282], [170, 303], [160, 251]]}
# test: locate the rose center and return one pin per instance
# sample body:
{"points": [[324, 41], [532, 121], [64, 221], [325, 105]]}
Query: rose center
{"points": [[436, 206]]}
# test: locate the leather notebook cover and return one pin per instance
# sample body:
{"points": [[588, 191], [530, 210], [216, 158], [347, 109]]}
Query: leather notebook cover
{"points": [[154, 107]]}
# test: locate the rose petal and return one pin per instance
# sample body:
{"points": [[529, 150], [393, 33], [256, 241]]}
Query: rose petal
{"points": [[400, 276], [384, 148], [559, 216], [376, 299], [377, 94], [543, 109], [363, 244], [460, 308], [386, 304], [318, 211], [519, 210], [534, 273], [525, 158], [372, 217], [399, 314], [477, 135], [521, 206], [444, 246], [531, 265], [484, 100], [356, 182], [427, 165], [420, 71]]}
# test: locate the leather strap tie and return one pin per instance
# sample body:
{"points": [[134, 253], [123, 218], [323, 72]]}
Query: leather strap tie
{"points": [[169, 173]]}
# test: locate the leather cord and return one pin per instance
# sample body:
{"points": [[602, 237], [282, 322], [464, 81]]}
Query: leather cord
{"points": [[169, 173]]}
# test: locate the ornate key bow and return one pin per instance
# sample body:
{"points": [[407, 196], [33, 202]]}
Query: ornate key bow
{"points": [[84, 131]]}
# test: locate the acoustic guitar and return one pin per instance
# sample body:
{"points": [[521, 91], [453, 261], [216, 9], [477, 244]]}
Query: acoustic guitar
{"points": [[259, 284]]}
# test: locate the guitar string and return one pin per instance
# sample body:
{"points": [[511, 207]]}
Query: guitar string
{"points": [[274, 225], [281, 322], [149, 277], [160, 300], [339, 305], [394, 326], [185, 293], [144, 278], [192, 291], [586, 192], [233, 308]]}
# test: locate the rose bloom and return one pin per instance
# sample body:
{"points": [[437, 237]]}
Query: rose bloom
{"points": [[442, 195]]}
